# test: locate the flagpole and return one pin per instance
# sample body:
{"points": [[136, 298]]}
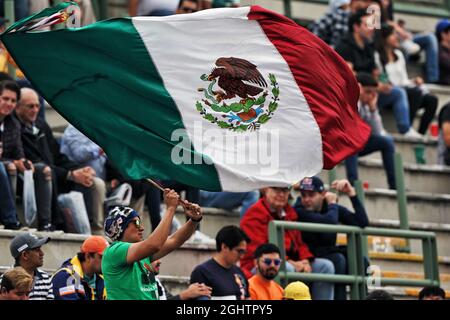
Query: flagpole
{"points": [[156, 184]]}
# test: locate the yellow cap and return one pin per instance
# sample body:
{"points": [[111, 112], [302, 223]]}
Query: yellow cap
{"points": [[297, 291]]}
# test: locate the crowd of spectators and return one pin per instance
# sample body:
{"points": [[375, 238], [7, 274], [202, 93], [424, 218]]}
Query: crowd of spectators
{"points": [[72, 162]]}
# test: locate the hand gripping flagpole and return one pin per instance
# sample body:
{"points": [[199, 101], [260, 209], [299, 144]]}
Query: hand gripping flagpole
{"points": [[183, 203]]}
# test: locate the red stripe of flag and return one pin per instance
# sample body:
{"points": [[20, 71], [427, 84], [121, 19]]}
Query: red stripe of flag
{"points": [[328, 84]]}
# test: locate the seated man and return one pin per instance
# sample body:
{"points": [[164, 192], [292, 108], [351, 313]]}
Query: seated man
{"points": [[332, 26], [229, 200], [40, 146], [319, 206], [378, 140], [80, 278], [80, 149], [220, 272], [262, 285], [274, 206]]}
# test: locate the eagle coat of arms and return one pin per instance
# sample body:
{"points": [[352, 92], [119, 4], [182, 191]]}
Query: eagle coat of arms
{"points": [[235, 98]]}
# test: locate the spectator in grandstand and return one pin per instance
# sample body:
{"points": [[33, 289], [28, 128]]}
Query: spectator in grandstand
{"points": [[432, 293], [334, 24], [229, 200], [274, 206], [262, 285], [15, 284], [379, 140], [357, 49], [221, 273], [126, 263], [379, 295], [316, 205], [443, 36], [412, 43], [80, 278], [12, 155], [296, 290], [80, 149], [26, 250], [444, 136], [152, 7], [391, 61], [194, 291], [40, 146]]}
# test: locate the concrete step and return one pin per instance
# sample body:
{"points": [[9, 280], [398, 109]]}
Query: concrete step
{"points": [[56, 122], [421, 178], [422, 207], [406, 146]]}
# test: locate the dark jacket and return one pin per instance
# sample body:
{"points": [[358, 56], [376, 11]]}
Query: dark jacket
{"points": [[255, 224], [41, 146], [363, 59], [324, 243], [12, 144], [444, 65], [69, 283]]}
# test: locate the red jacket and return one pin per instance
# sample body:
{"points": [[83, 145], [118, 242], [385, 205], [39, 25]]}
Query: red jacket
{"points": [[255, 224]]}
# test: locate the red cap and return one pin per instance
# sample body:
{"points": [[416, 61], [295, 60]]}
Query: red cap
{"points": [[94, 244]]}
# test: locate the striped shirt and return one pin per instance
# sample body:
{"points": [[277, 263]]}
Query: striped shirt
{"points": [[42, 286]]}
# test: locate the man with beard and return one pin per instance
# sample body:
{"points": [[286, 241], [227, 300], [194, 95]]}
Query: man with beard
{"points": [[262, 285]]}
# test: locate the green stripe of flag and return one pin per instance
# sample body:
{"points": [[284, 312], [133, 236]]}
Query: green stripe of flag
{"points": [[119, 101]]}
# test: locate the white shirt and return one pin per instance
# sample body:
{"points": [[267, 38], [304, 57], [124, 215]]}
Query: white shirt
{"points": [[396, 71]]}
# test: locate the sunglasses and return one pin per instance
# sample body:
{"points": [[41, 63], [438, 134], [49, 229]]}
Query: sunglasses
{"points": [[137, 223], [269, 261]]}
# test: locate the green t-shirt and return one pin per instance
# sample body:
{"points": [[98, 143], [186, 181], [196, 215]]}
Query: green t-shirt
{"points": [[127, 281]]}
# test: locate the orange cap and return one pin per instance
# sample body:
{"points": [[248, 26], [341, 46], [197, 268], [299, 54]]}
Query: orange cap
{"points": [[94, 244]]}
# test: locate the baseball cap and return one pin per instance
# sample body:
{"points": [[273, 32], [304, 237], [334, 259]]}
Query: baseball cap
{"points": [[297, 291], [94, 244], [25, 241], [312, 184], [442, 25]]}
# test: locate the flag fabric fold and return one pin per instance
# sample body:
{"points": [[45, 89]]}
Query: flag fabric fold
{"points": [[223, 99]]}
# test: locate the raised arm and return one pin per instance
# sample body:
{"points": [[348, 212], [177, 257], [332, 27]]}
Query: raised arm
{"points": [[184, 233], [157, 238]]}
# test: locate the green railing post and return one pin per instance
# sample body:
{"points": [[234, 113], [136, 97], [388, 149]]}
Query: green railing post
{"points": [[401, 196], [10, 15], [276, 236], [360, 193], [352, 265], [287, 8], [332, 176]]}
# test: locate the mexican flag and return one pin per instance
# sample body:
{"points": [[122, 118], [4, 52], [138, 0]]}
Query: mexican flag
{"points": [[222, 99]]}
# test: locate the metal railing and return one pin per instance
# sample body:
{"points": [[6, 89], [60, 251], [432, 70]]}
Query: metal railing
{"points": [[357, 277]]}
